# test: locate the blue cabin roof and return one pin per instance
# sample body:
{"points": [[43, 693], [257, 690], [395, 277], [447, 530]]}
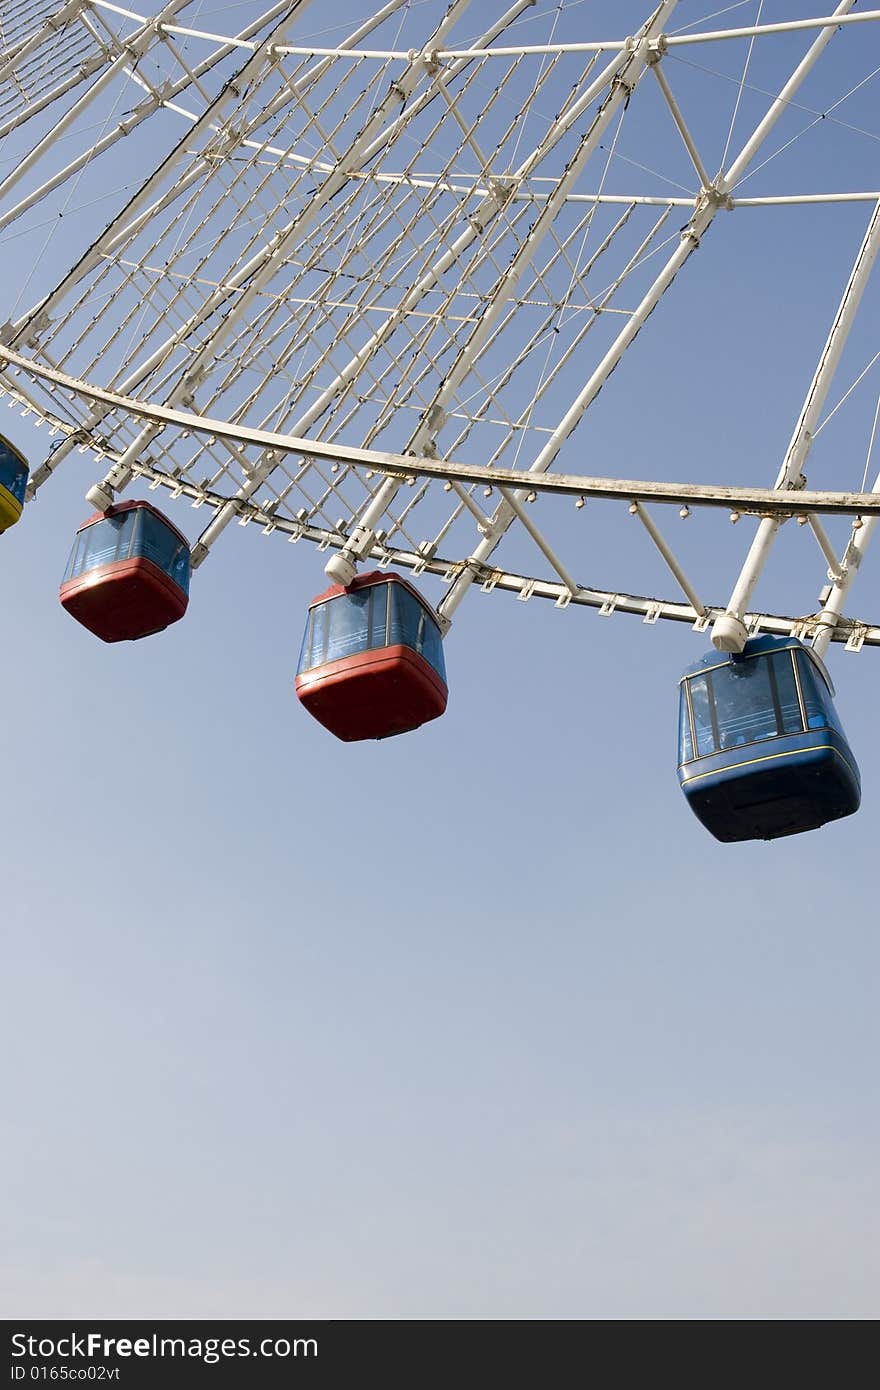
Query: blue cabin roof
{"points": [[759, 646]]}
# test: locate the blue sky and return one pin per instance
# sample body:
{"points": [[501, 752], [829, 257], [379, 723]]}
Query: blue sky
{"points": [[477, 1022]]}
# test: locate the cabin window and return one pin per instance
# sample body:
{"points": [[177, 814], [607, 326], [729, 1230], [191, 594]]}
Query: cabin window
{"points": [[131, 534], [103, 543], [685, 741], [13, 472], [154, 540], [412, 626], [739, 703], [354, 622], [348, 625], [380, 615], [315, 640], [818, 705], [705, 727]]}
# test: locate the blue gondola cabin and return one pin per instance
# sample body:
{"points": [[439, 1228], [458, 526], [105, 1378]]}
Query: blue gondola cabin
{"points": [[372, 663], [13, 482], [128, 573], [761, 750]]}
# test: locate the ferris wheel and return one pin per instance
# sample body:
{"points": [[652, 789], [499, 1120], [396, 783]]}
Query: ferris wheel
{"points": [[354, 275]]}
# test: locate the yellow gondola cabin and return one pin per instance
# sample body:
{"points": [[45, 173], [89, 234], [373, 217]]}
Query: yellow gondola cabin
{"points": [[13, 481]]}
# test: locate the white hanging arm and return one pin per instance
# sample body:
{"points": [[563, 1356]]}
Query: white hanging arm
{"points": [[729, 632], [863, 530]]}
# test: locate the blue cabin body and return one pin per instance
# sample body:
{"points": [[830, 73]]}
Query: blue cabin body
{"points": [[13, 483], [761, 750]]}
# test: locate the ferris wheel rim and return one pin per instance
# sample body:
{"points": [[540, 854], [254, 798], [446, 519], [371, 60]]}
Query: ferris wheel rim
{"points": [[633, 58], [853, 633]]}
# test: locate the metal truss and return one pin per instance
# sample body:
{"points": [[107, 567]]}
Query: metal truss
{"points": [[366, 286]]}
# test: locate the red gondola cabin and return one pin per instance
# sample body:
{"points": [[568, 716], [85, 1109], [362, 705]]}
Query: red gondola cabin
{"points": [[372, 663], [128, 573]]}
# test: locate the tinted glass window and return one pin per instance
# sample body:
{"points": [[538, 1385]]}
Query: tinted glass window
{"points": [[349, 620], [404, 618], [316, 634], [304, 663], [342, 626], [782, 677], [361, 621], [377, 635], [685, 742], [745, 702], [13, 471], [432, 645], [818, 703], [155, 540], [703, 708], [412, 626], [101, 544]]}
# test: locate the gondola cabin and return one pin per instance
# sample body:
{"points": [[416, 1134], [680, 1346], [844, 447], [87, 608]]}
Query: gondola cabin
{"points": [[128, 573], [761, 750], [13, 481], [372, 663]]}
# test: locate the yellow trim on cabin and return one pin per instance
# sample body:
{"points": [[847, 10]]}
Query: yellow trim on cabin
{"points": [[769, 758], [10, 509]]}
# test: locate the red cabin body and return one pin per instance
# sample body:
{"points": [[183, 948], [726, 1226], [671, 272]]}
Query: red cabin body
{"points": [[122, 594], [392, 677]]}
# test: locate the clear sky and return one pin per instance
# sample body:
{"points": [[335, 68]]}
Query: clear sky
{"points": [[476, 1022]]}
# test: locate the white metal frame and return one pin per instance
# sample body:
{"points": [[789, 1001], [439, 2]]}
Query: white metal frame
{"points": [[507, 226]]}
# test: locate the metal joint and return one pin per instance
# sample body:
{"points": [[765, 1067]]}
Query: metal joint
{"points": [[717, 196], [65, 14]]}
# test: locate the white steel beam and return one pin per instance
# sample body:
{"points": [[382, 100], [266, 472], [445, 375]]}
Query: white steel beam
{"points": [[546, 49], [254, 274], [747, 31], [789, 26], [684, 132], [668, 555], [742, 499], [129, 218], [832, 608], [497, 198], [623, 75], [824, 541], [704, 214], [52, 94], [129, 123], [55, 22], [730, 633], [545, 548], [135, 45]]}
